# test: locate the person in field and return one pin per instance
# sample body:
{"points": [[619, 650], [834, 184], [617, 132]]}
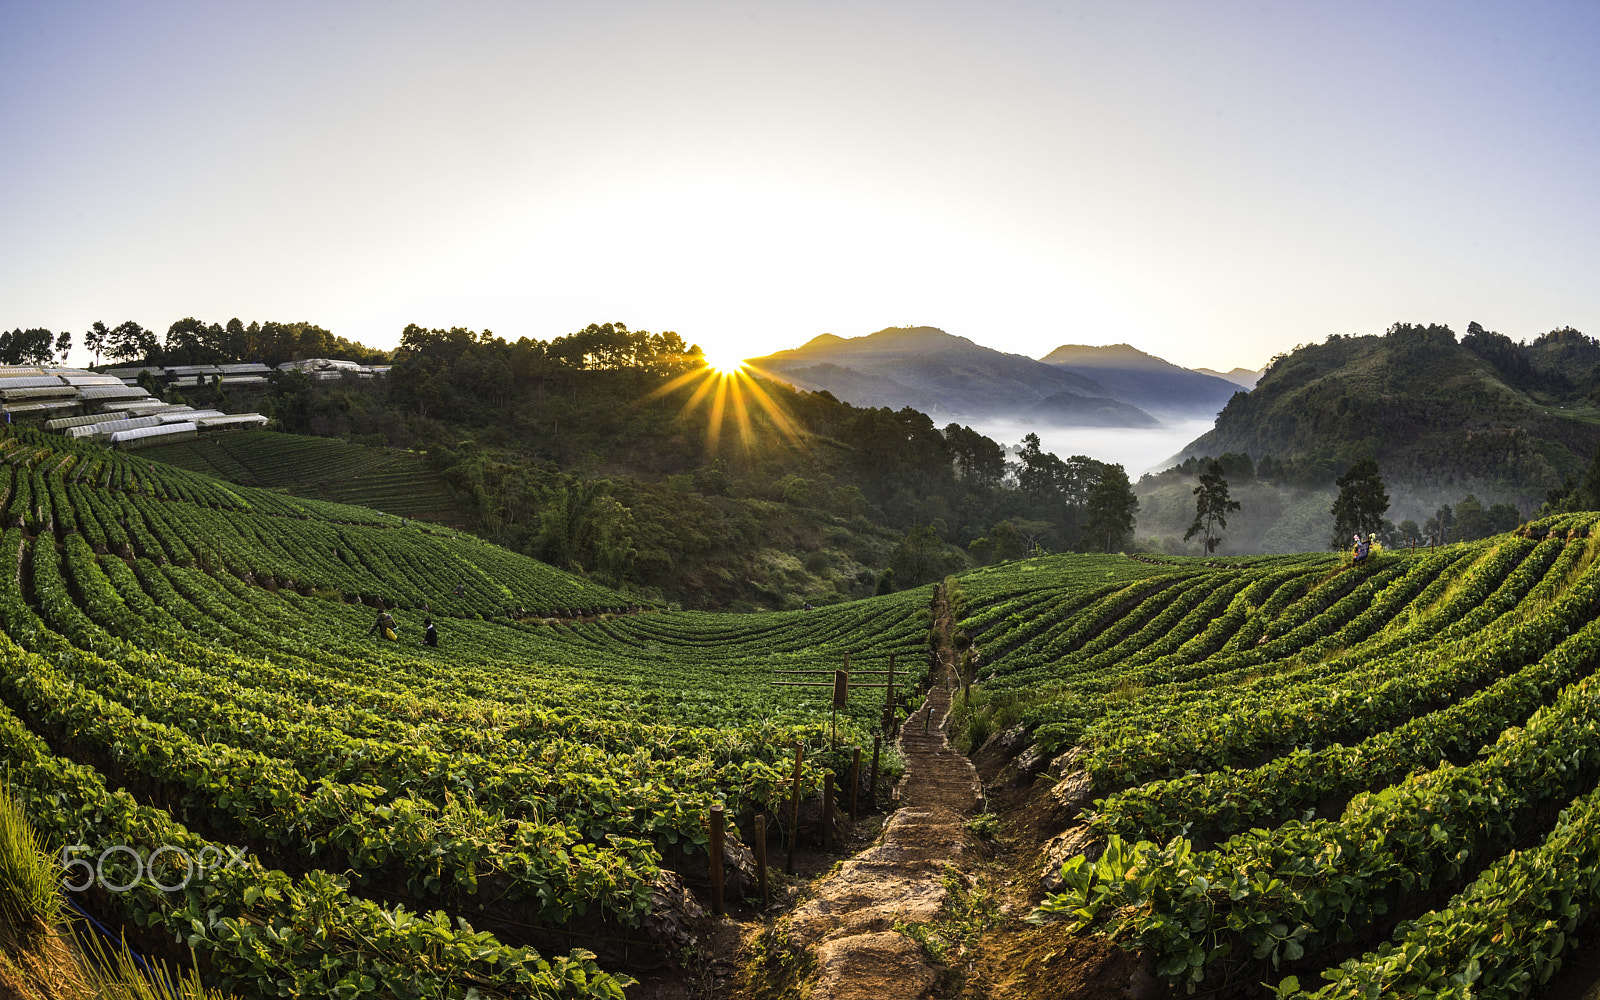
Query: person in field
{"points": [[1362, 548], [430, 635], [384, 626]]}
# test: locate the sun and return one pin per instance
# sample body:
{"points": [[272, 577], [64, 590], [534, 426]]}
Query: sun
{"points": [[724, 364], [726, 383]]}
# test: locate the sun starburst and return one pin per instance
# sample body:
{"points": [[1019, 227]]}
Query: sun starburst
{"points": [[724, 380], [724, 364]]}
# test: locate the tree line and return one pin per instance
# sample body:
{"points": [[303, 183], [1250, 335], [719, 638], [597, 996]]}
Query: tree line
{"points": [[579, 450], [187, 342]]}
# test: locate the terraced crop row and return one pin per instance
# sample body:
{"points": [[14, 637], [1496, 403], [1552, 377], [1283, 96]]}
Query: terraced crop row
{"points": [[1380, 755], [181, 667]]}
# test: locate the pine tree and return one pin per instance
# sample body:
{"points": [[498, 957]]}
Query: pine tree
{"points": [[1212, 507]]}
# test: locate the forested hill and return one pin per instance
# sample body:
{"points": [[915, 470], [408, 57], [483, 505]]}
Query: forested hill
{"points": [[619, 455], [1484, 412]]}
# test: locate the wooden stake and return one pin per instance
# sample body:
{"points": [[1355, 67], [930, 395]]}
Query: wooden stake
{"points": [[827, 811], [761, 856], [855, 781], [872, 795], [889, 720], [716, 859], [794, 807]]}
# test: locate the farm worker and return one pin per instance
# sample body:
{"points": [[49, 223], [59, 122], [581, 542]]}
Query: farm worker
{"points": [[431, 636], [1361, 548], [383, 626]]}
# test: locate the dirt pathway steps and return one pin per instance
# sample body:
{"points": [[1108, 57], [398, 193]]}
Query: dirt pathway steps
{"points": [[850, 921]]}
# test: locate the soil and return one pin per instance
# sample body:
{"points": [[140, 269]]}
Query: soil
{"points": [[830, 932], [1048, 962]]}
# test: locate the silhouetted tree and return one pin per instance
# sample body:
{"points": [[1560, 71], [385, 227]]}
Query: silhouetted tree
{"points": [[1361, 503], [1212, 507]]}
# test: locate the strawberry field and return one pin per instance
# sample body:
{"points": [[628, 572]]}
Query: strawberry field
{"points": [[1297, 776], [1284, 774], [190, 672]]}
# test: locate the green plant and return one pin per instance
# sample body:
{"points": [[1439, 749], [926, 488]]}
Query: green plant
{"points": [[30, 877], [969, 910], [985, 825]]}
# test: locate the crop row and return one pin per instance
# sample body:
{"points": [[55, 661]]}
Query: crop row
{"points": [[1278, 895]]}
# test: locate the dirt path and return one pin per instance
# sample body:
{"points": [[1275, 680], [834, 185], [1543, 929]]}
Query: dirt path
{"points": [[850, 921]]}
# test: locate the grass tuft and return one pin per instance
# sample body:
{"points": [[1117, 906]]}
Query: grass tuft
{"points": [[30, 878]]}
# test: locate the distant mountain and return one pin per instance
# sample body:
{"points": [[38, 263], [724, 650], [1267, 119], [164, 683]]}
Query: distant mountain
{"points": [[948, 376], [1486, 414], [1243, 377], [1146, 381]]}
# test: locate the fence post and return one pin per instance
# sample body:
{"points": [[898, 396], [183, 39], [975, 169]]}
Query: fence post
{"points": [[716, 859], [855, 781], [877, 744], [761, 855], [794, 807], [827, 811]]}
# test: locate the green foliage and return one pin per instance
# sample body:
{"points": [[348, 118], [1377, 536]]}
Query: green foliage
{"points": [[968, 912], [1446, 697], [30, 878], [1502, 419], [1361, 503], [193, 662], [1211, 508], [1111, 508]]}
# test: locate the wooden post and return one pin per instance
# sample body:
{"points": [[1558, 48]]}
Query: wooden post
{"points": [[890, 723], [794, 807], [716, 859], [827, 811], [841, 697], [872, 795], [761, 856], [855, 781]]}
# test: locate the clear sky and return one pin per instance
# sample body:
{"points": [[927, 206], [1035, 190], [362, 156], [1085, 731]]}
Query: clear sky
{"points": [[1212, 182]]}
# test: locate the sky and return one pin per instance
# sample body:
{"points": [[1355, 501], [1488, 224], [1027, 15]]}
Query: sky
{"points": [[1211, 182]]}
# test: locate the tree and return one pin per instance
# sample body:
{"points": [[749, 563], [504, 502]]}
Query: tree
{"points": [[1110, 508], [1361, 503], [27, 347], [130, 342], [919, 558], [96, 339], [1586, 494], [1471, 521], [1439, 526], [1212, 507]]}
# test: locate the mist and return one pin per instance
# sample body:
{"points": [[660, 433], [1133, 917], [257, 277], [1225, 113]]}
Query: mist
{"points": [[1137, 449]]}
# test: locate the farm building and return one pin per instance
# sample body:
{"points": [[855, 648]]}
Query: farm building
{"points": [[104, 407]]}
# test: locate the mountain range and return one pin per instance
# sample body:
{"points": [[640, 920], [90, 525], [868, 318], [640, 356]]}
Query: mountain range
{"points": [[951, 377]]}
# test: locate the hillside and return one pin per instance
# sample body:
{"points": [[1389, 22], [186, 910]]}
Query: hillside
{"points": [[192, 668], [1156, 386], [1483, 414], [945, 375], [690, 548], [1290, 770], [617, 455], [392, 481]]}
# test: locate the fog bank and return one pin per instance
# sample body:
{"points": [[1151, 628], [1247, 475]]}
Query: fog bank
{"points": [[1136, 449]]}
